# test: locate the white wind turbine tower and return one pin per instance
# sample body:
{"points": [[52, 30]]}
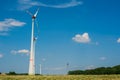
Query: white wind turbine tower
{"points": [[32, 50]]}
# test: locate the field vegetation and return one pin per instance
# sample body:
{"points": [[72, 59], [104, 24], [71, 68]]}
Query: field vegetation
{"points": [[101, 73], [97, 71], [60, 77]]}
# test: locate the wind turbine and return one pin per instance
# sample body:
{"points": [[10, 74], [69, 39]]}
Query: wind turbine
{"points": [[32, 49], [40, 69]]}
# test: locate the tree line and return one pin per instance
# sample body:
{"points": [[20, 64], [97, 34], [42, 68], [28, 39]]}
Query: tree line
{"points": [[97, 71]]}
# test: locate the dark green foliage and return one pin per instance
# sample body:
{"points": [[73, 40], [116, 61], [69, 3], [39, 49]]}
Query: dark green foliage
{"points": [[76, 72], [97, 71], [11, 73], [22, 74]]}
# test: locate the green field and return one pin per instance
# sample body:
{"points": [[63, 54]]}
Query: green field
{"points": [[62, 77]]}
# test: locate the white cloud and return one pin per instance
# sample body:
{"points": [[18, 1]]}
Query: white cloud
{"points": [[43, 59], [103, 58], [90, 67], [65, 5], [10, 23], [4, 34], [26, 4], [118, 40], [1, 55], [82, 38], [23, 51], [96, 43], [56, 68]]}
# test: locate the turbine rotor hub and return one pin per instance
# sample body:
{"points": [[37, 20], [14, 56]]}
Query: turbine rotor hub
{"points": [[33, 17]]}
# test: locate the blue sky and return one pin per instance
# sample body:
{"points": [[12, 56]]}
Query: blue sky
{"points": [[83, 33]]}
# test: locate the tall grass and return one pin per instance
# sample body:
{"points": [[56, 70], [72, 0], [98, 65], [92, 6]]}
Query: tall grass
{"points": [[62, 77]]}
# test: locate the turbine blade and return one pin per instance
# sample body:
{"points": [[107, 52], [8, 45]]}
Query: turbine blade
{"points": [[29, 13], [36, 12]]}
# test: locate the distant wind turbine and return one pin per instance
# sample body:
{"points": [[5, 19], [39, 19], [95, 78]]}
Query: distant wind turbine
{"points": [[40, 69]]}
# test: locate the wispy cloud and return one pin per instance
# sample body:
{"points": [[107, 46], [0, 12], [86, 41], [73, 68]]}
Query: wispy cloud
{"points": [[84, 38], [4, 34], [43, 59], [90, 67], [103, 58], [1, 55], [118, 41], [22, 51], [56, 68], [64, 5], [10, 23], [7, 24], [26, 4]]}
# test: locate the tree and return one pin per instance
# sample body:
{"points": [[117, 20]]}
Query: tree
{"points": [[97, 71], [11, 73], [76, 72]]}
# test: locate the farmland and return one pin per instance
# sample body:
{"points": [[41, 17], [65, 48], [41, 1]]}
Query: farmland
{"points": [[61, 77]]}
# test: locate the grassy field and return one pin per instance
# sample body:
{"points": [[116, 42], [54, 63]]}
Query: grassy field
{"points": [[62, 77]]}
